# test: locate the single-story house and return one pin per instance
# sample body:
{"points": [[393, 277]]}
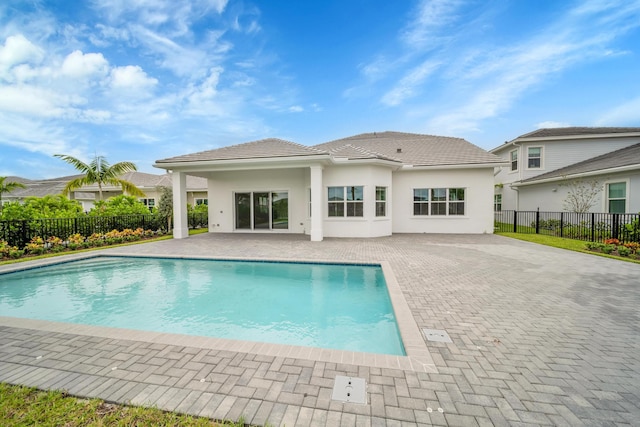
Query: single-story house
{"points": [[367, 185]]}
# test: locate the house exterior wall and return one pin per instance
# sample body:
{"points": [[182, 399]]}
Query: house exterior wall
{"points": [[556, 154], [223, 185], [369, 177], [551, 196], [478, 185]]}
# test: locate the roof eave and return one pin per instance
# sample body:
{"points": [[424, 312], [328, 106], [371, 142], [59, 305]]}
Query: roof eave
{"points": [[290, 161], [578, 175], [457, 166]]}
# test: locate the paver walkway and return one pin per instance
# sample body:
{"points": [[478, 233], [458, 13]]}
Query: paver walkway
{"points": [[541, 336]]}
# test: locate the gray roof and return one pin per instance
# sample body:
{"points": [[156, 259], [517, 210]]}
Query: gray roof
{"points": [[264, 148], [578, 131], [39, 188], [413, 149], [628, 156]]}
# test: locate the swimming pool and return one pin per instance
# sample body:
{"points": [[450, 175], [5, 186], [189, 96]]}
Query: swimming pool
{"points": [[336, 306]]}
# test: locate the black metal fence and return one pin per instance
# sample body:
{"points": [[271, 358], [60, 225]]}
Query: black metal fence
{"points": [[592, 227], [20, 232]]}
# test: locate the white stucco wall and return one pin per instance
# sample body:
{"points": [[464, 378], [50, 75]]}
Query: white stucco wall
{"points": [[478, 216], [369, 177], [550, 197], [223, 185]]}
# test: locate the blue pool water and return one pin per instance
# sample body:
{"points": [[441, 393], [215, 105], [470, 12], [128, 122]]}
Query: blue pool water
{"points": [[343, 307]]}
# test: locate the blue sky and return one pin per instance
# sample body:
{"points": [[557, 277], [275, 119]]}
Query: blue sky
{"points": [[141, 80]]}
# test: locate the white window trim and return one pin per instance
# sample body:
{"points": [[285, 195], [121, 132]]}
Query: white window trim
{"points": [[385, 201], [518, 159], [447, 202], [605, 195], [195, 201], [345, 217], [541, 158]]}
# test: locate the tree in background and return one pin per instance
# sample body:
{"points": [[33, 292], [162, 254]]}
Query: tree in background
{"points": [[8, 187], [100, 172], [119, 205], [165, 205], [42, 207], [581, 195]]}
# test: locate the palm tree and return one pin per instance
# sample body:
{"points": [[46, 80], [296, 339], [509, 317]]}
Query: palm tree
{"points": [[8, 187], [100, 172]]}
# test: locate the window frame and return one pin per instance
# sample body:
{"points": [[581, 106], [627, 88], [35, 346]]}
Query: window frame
{"points": [[608, 199], [436, 204], [512, 161], [146, 200], [348, 206], [203, 201], [381, 202], [539, 158], [497, 202]]}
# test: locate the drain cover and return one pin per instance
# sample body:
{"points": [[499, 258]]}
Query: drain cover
{"points": [[436, 335], [349, 389]]}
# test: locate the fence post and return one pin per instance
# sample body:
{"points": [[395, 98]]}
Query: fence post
{"points": [[515, 221], [561, 224], [593, 226], [25, 237], [538, 221], [614, 226]]}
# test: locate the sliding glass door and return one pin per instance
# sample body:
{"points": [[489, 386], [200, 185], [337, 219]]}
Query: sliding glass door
{"points": [[262, 210]]}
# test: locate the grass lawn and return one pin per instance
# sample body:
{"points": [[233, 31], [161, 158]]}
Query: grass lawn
{"points": [[22, 406], [559, 242]]}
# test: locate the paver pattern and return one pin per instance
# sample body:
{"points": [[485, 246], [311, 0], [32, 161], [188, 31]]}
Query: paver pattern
{"points": [[541, 336]]}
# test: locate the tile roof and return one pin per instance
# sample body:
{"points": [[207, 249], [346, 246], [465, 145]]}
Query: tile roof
{"points": [[39, 188], [413, 149], [578, 131], [627, 156], [264, 148]]}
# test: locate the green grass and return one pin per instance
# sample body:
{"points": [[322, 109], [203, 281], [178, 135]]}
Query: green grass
{"points": [[21, 406], [562, 243]]}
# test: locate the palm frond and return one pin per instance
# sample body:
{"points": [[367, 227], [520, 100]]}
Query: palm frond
{"points": [[76, 163], [128, 187]]}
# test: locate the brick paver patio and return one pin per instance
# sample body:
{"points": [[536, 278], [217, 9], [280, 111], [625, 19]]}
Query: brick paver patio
{"points": [[541, 336]]}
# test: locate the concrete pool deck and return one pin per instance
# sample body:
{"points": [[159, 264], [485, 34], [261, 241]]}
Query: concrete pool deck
{"points": [[540, 336]]}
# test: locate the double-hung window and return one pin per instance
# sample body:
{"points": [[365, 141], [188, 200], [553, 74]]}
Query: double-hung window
{"points": [[514, 160], [381, 201], [346, 201], [534, 157], [617, 197], [497, 202], [149, 203], [201, 202], [438, 201]]}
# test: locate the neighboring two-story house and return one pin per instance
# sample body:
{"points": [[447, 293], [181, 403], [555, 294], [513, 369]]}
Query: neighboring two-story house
{"points": [[546, 166]]}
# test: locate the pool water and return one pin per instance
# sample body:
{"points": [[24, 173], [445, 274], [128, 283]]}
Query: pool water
{"points": [[335, 306]]}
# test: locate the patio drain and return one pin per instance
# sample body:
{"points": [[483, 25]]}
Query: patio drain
{"points": [[349, 390], [437, 335]]}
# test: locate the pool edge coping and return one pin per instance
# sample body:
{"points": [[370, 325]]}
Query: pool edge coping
{"points": [[418, 358]]}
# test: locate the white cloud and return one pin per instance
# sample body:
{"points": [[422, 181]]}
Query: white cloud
{"points": [[78, 65], [552, 124], [18, 50], [627, 114], [131, 77], [431, 16], [296, 109], [408, 86]]}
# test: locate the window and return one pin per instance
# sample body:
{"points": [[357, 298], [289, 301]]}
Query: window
{"points": [[346, 200], [202, 202], [149, 203], [514, 160], [421, 201], [381, 201], [497, 202], [534, 157], [439, 201], [616, 197]]}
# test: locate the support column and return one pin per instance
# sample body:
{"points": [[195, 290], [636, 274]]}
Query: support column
{"points": [[180, 219], [316, 204]]}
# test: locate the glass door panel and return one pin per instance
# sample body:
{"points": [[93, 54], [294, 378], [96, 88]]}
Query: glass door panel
{"points": [[260, 211], [243, 210], [280, 211]]}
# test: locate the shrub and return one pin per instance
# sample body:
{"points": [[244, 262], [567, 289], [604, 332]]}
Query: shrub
{"points": [[624, 251], [15, 253], [634, 247], [615, 242], [4, 248], [35, 246], [607, 249]]}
